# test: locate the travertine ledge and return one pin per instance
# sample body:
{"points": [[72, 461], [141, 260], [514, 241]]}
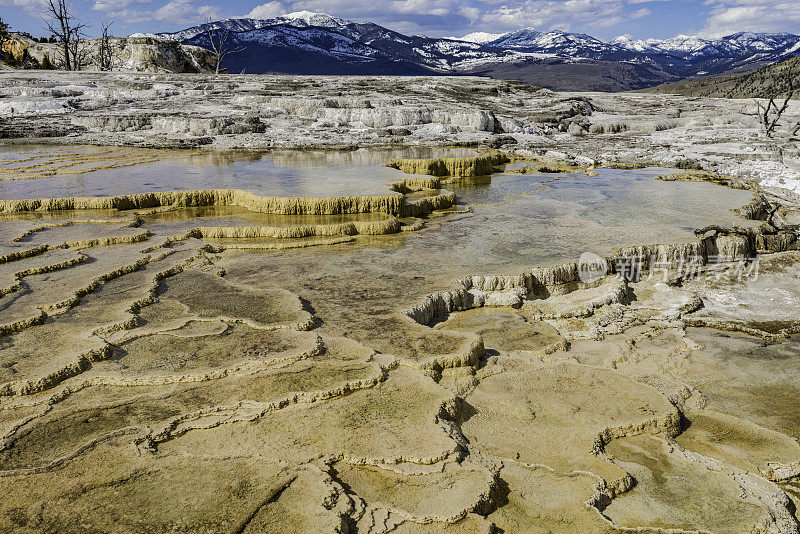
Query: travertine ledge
{"points": [[456, 167], [393, 204]]}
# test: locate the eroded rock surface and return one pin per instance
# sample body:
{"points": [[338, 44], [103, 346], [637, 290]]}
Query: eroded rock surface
{"points": [[217, 360]]}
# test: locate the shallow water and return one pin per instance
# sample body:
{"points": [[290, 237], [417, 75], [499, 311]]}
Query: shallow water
{"points": [[520, 221], [514, 221], [380, 274], [278, 173]]}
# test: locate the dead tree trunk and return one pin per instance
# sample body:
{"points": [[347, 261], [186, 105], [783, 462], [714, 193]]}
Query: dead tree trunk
{"points": [[80, 54], [220, 48], [770, 114], [68, 32], [106, 51]]}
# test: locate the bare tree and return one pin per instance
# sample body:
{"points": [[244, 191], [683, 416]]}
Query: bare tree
{"points": [[80, 53], [68, 31], [218, 39], [106, 50], [770, 114]]}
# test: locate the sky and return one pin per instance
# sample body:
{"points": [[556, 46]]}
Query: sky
{"points": [[604, 19]]}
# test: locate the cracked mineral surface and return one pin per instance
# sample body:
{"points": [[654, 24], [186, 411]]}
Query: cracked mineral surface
{"points": [[275, 339]]}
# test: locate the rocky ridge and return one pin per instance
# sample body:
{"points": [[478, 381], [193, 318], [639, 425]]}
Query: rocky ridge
{"points": [[137, 54]]}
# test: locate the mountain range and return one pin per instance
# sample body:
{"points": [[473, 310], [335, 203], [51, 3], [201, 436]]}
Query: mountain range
{"points": [[772, 80], [316, 43]]}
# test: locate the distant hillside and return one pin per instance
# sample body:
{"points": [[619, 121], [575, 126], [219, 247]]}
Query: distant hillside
{"points": [[586, 75], [762, 83]]}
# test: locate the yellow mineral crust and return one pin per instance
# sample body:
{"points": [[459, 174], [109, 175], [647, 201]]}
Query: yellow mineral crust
{"points": [[390, 225], [288, 244], [46, 356], [391, 204], [474, 166], [581, 423], [161, 383], [126, 491], [444, 496], [400, 422], [420, 347], [11, 275]]}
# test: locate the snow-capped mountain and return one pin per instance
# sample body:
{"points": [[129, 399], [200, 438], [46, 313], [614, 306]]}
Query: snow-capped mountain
{"points": [[299, 19], [572, 45], [679, 45], [310, 43], [689, 56], [685, 46], [316, 43], [478, 37], [530, 39]]}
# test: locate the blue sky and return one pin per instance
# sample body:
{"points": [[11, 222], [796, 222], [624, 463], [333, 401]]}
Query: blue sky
{"points": [[604, 19]]}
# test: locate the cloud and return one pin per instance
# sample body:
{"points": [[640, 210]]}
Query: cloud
{"points": [[443, 17], [424, 7], [184, 11], [267, 11], [31, 7], [430, 17], [113, 5], [471, 13], [555, 14], [174, 11], [449, 17], [407, 16], [731, 16]]}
